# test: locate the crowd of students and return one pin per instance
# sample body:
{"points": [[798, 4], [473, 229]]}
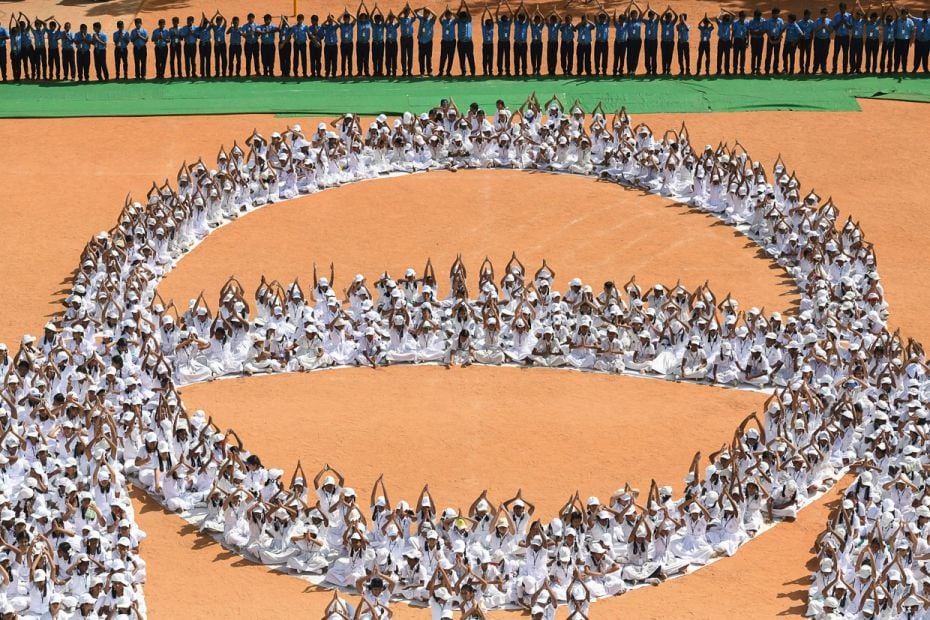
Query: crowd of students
{"points": [[589, 40]]}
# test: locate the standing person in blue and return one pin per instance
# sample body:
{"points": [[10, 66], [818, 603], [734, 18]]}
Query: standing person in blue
{"points": [[377, 42], [40, 55], [251, 33], [724, 41], [121, 50], [100, 53], [684, 45], [68, 60], [669, 22], [53, 38], [792, 37], [363, 40], [651, 41], [189, 34], [220, 51], [553, 29], [391, 36], [299, 36], [621, 40], [16, 50], [774, 30], [886, 61], [315, 43], [139, 37], [567, 48], [806, 24], [235, 47], [537, 27], [285, 46], [634, 25], [584, 30], [601, 41], [821, 42], [406, 18], [160, 38], [504, 31], [83, 42], [521, 26], [268, 31], [922, 42], [740, 37], [205, 45], [840, 25], [330, 45], [706, 31], [174, 47], [856, 35], [447, 25], [466, 44], [903, 31], [27, 48], [757, 28], [426, 24], [4, 37], [873, 30]]}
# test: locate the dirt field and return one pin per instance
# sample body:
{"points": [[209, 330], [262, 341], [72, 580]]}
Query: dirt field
{"points": [[56, 198]]}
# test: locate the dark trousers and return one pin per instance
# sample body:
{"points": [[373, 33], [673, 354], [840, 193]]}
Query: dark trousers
{"points": [[284, 57], [567, 56], [425, 57], [161, 62], [446, 56], [205, 50], [121, 57], [901, 49], [362, 54], [487, 59], [821, 48], [921, 55], [83, 65], [619, 57], [632, 55], [739, 56], [140, 56], [503, 57], [536, 48], [40, 63], [174, 59], [584, 58], [316, 60], [871, 55], [755, 54], [519, 58], [703, 55], [650, 55], [788, 55], [3, 63], [723, 56], [668, 52], [684, 57], [345, 54], [16, 63], [390, 58], [772, 52], [406, 55], [235, 59], [27, 58], [251, 58], [54, 63], [466, 51], [330, 55], [552, 57], [377, 58], [886, 62], [220, 59], [804, 58], [855, 55], [841, 44], [69, 64], [600, 57], [190, 59], [267, 50], [100, 65]]}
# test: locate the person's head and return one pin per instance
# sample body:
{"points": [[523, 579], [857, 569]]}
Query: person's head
{"points": [[267, 18], [138, 22], [300, 18], [97, 26], [742, 14], [235, 21], [807, 13], [190, 20], [792, 18], [175, 20], [757, 14], [776, 12], [314, 19], [634, 14], [726, 17], [250, 17], [67, 25], [161, 23], [842, 7], [823, 12]]}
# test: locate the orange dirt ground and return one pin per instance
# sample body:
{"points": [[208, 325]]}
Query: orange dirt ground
{"points": [[57, 198]]}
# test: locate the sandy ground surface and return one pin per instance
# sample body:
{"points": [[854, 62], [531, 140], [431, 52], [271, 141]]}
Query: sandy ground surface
{"points": [[107, 13], [56, 198]]}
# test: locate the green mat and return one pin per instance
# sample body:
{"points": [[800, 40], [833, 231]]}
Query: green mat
{"points": [[306, 98]]}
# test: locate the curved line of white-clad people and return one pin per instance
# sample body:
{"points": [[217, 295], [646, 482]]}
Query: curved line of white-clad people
{"points": [[98, 386]]}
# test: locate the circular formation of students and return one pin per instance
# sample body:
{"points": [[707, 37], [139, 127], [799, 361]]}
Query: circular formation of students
{"points": [[94, 403], [514, 41]]}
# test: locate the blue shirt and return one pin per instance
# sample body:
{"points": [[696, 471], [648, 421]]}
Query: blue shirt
{"points": [[345, 32], [634, 28], [448, 28], [406, 26], [464, 29], [268, 32], [160, 36], [775, 26], [923, 29], [840, 24], [652, 29], [53, 36], [567, 32], [888, 32], [668, 31], [390, 31], [189, 34], [4, 35], [757, 27], [739, 29], [250, 32], [205, 33], [602, 31], [903, 28], [872, 30], [377, 32], [584, 32], [121, 39], [807, 27], [67, 41], [235, 35], [38, 35], [503, 29], [553, 30], [83, 41], [330, 34], [684, 32], [425, 29], [858, 27], [520, 28], [536, 31], [219, 33], [101, 43], [792, 32], [706, 30], [823, 33], [724, 29], [621, 32], [139, 37], [364, 31]]}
